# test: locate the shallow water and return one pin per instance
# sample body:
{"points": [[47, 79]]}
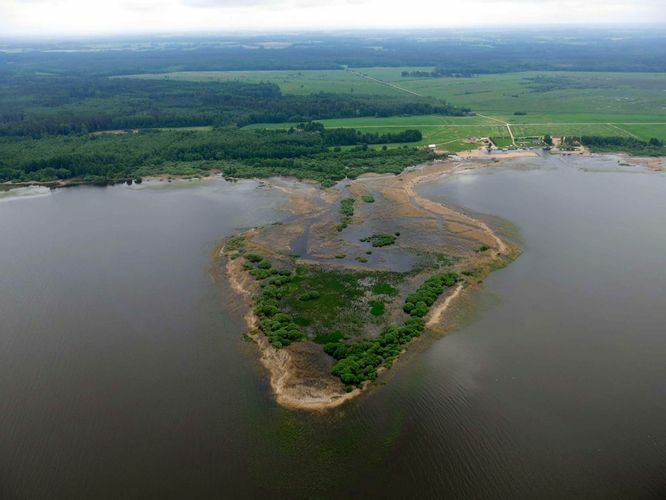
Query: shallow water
{"points": [[123, 372]]}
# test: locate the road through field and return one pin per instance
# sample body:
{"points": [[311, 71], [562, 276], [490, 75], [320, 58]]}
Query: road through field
{"points": [[506, 124], [382, 82]]}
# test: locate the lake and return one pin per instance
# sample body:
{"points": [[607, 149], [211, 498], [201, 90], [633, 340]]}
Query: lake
{"points": [[123, 372]]}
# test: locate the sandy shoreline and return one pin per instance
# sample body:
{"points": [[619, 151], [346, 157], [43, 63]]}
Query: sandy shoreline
{"points": [[414, 181], [280, 363], [434, 317]]}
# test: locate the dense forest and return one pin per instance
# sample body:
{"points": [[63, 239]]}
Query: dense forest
{"points": [[101, 158], [470, 52], [351, 137], [48, 105], [99, 129]]}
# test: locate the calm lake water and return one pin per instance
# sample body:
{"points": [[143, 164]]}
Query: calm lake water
{"points": [[123, 373]]}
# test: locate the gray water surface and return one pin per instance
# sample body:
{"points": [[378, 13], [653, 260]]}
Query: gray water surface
{"points": [[123, 373]]}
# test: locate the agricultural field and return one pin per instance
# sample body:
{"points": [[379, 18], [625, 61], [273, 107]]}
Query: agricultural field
{"points": [[563, 92], [532, 103]]}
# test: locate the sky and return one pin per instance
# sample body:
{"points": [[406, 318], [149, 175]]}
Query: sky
{"points": [[44, 17]]}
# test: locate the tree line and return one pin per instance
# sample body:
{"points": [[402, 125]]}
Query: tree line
{"points": [[52, 105], [496, 51], [236, 152], [352, 137], [631, 145]]}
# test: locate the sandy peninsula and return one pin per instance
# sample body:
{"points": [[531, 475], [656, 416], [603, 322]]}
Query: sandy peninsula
{"points": [[300, 374]]}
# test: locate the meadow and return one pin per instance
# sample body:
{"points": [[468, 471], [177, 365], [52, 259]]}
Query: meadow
{"points": [[291, 82]]}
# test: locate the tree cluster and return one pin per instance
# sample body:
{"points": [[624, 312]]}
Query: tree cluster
{"points": [[631, 145], [278, 326], [418, 303], [359, 361], [352, 137]]}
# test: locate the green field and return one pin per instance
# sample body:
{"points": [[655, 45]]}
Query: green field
{"points": [[555, 103], [291, 82], [450, 133], [446, 131]]}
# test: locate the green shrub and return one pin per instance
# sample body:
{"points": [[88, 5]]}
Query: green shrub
{"points": [[347, 207], [380, 240], [359, 361], [312, 295], [278, 326], [376, 307], [328, 338], [384, 289]]}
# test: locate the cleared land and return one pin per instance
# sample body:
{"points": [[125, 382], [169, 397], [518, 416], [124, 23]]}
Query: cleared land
{"points": [[291, 82]]}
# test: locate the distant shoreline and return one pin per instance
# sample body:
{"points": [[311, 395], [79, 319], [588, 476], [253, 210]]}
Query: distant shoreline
{"points": [[657, 163]]}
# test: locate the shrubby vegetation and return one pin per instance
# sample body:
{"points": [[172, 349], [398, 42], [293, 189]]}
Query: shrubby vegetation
{"points": [[347, 212], [359, 361], [331, 167], [630, 145], [384, 289], [285, 295], [327, 338], [278, 326], [380, 239], [311, 295], [377, 307], [418, 303], [347, 207], [239, 153]]}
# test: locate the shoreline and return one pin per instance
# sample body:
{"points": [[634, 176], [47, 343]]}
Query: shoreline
{"points": [[75, 182], [278, 362], [655, 163], [434, 317]]}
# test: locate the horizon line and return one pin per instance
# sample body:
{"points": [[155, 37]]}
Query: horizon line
{"points": [[7, 36]]}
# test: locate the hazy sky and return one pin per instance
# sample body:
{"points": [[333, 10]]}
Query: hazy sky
{"points": [[109, 16]]}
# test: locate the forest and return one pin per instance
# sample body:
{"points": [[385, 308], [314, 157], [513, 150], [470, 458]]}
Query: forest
{"points": [[50, 105], [349, 136], [630, 145], [452, 52], [236, 152], [100, 130]]}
